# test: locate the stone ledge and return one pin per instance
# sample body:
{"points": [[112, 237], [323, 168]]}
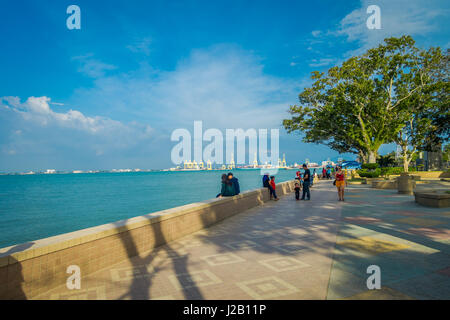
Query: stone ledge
{"points": [[17, 253], [432, 199]]}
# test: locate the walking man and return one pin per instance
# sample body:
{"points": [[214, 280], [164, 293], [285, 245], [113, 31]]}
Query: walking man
{"points": [[306, 183]]}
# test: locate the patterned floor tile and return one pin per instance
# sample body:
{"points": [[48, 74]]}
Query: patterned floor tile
{"points": [[81, 294], [241, 245], [254, 234], [283, 264], [267, 288], [129, 273], [194, 279], [293, 250], [222, 258]]}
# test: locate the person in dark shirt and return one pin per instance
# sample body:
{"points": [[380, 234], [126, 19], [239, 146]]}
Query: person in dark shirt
{"points": [[297, 191], [235, 183], [265, 180], [266, 184], [306, 183], [228, 189]]}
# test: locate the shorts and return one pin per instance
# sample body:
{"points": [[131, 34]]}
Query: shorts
{"points": [[340, 183]]}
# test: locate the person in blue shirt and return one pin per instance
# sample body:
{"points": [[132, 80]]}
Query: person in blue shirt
{"points": [[306, 183]]}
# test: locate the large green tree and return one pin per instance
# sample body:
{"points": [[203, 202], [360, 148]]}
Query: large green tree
{"points": [[421, 112], [354, 107]]}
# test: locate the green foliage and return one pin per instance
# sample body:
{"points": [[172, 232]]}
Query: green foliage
{"points": [[365, 173], [387, 171], [392, 93], [446, 153], [369, 166], [386, 160]]}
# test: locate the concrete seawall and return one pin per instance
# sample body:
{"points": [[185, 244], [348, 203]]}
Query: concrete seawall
{"points": [[29, 269]]}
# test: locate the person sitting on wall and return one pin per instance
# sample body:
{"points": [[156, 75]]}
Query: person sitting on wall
{"points": [[267, 183], [228, 189], [235, 183]]}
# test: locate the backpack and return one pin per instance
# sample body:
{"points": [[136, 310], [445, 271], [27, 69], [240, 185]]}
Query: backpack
{"points": [[265, 181]]}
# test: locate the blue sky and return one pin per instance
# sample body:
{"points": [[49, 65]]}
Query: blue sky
{"points": [[109, 95]]}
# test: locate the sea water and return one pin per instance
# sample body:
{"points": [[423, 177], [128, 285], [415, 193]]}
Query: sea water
{"points": [[38, 206]]}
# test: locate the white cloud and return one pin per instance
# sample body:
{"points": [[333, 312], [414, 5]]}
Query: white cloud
{"points": [[141, 46], [56, 103], [223, 86], [316, 33], [321, 62], [92, 67], [34, 117], [400, 17]]}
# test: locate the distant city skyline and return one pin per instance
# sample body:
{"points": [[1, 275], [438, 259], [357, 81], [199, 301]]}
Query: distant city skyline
{"points": [[109, 94]]}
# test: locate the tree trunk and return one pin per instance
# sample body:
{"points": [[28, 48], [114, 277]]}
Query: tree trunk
{"points": [[405, 164], [362, 157], [372, 156], [405, 158]]}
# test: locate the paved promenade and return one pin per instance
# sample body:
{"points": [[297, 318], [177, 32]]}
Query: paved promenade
{"points": [[318, 249]]}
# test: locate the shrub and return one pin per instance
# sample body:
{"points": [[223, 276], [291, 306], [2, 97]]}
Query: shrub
{"points": [[390, 171], [364, 173], [395, 170], [369, 166]]}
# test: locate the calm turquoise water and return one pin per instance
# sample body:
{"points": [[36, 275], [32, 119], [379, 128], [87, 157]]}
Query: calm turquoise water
{"points": [[39, 206]]}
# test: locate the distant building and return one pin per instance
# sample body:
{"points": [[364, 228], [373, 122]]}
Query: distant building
{"points": [[328, 163]]}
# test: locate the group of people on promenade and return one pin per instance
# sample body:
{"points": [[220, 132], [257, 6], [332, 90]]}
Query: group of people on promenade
{"points": [[326, 173], [230, 184]]}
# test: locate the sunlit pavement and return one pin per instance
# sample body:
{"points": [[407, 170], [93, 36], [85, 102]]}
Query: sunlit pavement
{"points": [[409, 243], [318, 249]]}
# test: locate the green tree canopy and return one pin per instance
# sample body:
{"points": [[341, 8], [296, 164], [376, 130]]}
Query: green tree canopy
{"points": [[355, 107]]}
